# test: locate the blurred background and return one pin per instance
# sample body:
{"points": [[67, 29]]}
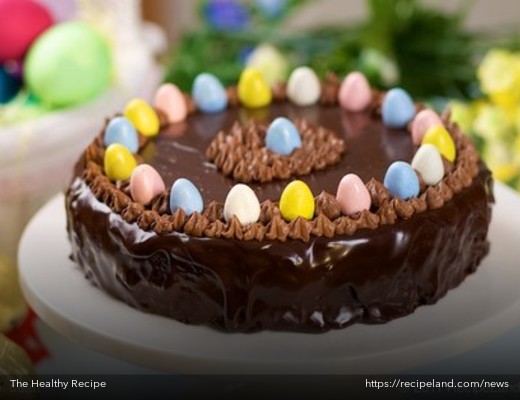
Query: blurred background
{"points": [[459, 54]]}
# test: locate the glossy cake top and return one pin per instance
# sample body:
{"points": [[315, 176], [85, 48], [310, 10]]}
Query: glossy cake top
{"points": [[253, 163]]}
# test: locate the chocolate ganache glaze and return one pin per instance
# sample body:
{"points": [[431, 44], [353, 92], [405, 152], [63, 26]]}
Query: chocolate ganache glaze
{"points": [[385, 264]]}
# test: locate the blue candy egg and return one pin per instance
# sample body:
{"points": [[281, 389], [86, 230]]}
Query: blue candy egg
{"points": [[184, 194], [208, 93], [282, 137], [120, 130], [401, 180], [9, 86], [398, 108]]}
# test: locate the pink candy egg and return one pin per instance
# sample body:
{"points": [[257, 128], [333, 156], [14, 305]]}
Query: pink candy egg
{"points": [[355, 93], [423, 121], [170, 100], [352, 195], [145, 184]]}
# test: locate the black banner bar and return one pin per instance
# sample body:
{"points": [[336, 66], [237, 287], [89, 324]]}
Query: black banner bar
{"points": [[264, 387]]}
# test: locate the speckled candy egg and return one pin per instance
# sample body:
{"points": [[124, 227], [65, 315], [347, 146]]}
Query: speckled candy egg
{"points": [[401, 180], [424, 120], [170, 100], [119, 163], [209, 94], [282, 137], [120, 130], [185, 195], [303, 87], [297, 201], [253, 90], [241, 202], [428, 162], [355, 93], [352, 195], [145, 184], [397, 109]]}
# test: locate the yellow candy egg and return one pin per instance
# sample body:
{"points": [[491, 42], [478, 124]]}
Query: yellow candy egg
{"points": [[439, 137], [297, 201], [253, 90], [143, 117], [119, 162]]}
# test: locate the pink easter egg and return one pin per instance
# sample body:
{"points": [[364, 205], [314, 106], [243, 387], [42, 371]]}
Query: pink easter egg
{"points": [[21, 22], [423, 121], [355, 93], [145, 184], [170, 100], [352, 195]]}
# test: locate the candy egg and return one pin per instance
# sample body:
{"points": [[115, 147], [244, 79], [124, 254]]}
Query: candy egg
{"points": [[242, 202], [208, 93], [352, 195], [253, 91], [119, 163], [401, 180], [120, 130], [355, 93], [428, 162], [297, 201], [440, 138], [143, 117], [145, 184], [423, 121], [170, 100], [185, 195], [21, 22], [282, 137], [397, 109], [303, 87]]}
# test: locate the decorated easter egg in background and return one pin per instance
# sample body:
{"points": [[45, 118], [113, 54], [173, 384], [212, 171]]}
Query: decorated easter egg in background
{"points": [[170, 100], [303, 87], [21, 22], [397, 109], [69, 64], [185, 195], [242, 203], [119, 163], [9, 85], [282, 137], [355, 93], [145, 183], [297, 201], [401, 180], [253, 90], [208, 93], [120, 130], [143, 117], [352, 195]]}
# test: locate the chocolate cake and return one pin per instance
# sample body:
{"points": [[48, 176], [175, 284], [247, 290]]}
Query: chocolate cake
{"points": [[313, 273]]}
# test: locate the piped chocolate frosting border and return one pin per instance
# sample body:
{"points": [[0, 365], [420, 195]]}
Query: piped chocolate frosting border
{"points": [[328, 220]]}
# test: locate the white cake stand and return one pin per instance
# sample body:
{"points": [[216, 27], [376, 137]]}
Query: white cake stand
{"points": [[484, 307]]}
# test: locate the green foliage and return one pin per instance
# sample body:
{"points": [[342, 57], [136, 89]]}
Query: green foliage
{"points": [[402, 42]]}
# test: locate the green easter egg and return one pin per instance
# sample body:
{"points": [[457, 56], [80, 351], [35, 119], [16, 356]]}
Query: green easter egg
{"points": [[69, 64]]}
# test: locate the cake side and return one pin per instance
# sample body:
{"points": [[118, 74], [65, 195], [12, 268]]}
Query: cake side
{"points": [[372, 276]]}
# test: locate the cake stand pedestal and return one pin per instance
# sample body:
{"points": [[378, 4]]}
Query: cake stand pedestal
{"points": [[483, 307]]}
